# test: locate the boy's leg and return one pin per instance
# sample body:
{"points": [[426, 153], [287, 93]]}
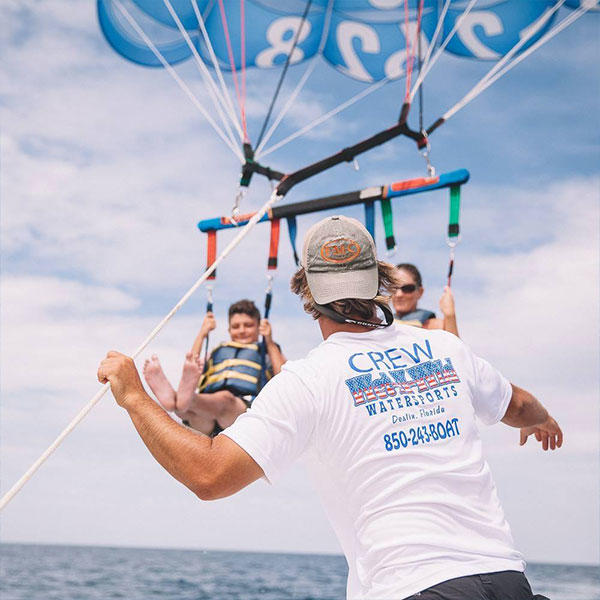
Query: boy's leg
{"points": [[223, 406], [159, 384], [201, 422], [192, 370]]}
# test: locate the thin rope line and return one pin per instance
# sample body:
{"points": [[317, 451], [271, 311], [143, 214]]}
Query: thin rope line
{"points": [[411, 58], [439, 51], [86, 409], [283, 73], [243, 53], [543, 40], [233, 69], [217, 67], [301, 83], [436, 34], [213, 90], [407, 41], [372, 88], [177, 79]]}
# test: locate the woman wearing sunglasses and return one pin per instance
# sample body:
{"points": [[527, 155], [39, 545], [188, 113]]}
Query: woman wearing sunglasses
{"points": [[406, 298]]}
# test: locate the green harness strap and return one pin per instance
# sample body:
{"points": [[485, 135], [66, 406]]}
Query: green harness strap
{"points": [[453, 227], [388, 223], [453, 223]]}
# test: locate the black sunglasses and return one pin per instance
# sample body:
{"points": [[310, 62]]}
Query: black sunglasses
{"points": [[409, 288]]}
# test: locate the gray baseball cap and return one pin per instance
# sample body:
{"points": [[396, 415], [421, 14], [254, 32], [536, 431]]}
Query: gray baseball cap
{"points": [[340, 260]]}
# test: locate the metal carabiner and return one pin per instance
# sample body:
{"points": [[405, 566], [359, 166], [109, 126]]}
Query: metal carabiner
{"points": [[426, 153], [235, 210], [269, 283]]}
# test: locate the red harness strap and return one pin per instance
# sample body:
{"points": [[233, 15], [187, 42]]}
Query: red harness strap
{"points": [[211, 252], [274, 245]]}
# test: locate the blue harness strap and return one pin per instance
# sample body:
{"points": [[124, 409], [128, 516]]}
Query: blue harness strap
{"points": [[293, 231], [370, 217]]}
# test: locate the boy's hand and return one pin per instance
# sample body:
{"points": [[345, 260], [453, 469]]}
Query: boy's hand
{"points": [[264, 329], [447, 303], [548, 433], [208, 324], [124, 379]]}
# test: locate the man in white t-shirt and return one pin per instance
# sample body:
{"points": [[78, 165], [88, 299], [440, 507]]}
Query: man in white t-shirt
{"points": [[386, 416]]}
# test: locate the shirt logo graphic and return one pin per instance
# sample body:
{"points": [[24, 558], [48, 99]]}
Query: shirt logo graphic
{"points": [[341, 250]]}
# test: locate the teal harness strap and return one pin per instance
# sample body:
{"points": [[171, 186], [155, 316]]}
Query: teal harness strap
{"points": [[453, 223], [453, 227], [388, 223]]}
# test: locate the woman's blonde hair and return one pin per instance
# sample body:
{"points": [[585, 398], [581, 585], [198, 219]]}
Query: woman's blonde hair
{"points": [[365, 309]]}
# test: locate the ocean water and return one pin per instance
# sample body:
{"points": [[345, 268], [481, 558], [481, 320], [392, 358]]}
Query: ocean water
{"points": [[30, 572]]}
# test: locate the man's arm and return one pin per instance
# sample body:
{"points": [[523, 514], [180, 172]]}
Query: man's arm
{"points": [[526, 412], [210, 468]]}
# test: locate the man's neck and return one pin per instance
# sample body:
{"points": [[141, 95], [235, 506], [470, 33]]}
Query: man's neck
{"points": [[329, 327]]}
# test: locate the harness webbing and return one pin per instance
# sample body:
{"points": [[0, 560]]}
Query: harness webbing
{"points": [[388, 223], [273, 245], [293, 231], [453, 227], [211, 252], [370, 217], [453, 223]]}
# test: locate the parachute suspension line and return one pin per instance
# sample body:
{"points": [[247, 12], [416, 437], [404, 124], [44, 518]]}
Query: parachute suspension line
{"points": [[429, 62], [283, 73], [307, 73], [217, 68], [243, 232], [243, 59], [177, 79], [411, 50], [435, 36], [369, 90], [213, 91], [421, 87], [482, 86], [233, 70]]}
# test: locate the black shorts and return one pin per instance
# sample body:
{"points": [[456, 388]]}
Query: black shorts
{"points": [[503, 585]]}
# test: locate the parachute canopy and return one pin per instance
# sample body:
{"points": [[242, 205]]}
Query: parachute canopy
{"points": [[368, 40]]}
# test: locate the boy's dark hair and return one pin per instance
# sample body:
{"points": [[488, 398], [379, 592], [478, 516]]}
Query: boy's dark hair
{"points": [[244, 307], [413, 271]]}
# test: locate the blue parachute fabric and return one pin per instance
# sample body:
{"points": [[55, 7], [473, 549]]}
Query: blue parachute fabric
{"points": [[366, 39], [492, 28]]}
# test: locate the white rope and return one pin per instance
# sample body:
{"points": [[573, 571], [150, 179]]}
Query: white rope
{"points": [[478, 89], [177, 79], [231, 109], [213, 90], [425, 69], [86, 409], [301, 83], [369, 90]]}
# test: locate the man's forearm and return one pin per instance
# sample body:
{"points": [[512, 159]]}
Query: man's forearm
{"points": [[524, 409], [451, 325], [182, 453]]}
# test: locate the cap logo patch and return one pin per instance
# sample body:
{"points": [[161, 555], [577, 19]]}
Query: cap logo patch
{"points": [[341, 250]]}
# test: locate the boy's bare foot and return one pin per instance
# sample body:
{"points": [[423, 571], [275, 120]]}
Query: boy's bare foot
{"points": [[159, 384], [192, 370]]}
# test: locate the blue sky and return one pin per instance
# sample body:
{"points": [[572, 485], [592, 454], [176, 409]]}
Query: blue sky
{"points": [[106, 169]]}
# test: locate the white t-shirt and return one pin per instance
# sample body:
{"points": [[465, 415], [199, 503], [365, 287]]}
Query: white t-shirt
{"points": [[387, 419]]}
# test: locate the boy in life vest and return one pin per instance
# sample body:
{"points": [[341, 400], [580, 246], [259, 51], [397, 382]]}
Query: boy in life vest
{"points": [[211, 396]]}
